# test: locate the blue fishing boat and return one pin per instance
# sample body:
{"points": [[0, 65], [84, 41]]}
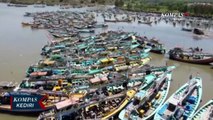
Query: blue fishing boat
{"points": [[183, 103], [29, 101]]}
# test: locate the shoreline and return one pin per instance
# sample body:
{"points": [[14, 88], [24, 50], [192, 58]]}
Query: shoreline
{"points": [[79, 5], [159, 13]]}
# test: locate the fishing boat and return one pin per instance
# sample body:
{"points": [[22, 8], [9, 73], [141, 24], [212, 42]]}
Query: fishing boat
{"points": [[34, 71], [86, 31], [211, 64], [192, 56], [145, 22], [20, 5], [39, 5], [198, 31], [104, 109], [29, 101], [115, 87], [28, 14], [124, 66], [157, 47], [205, 112], [10, 5], [187, 29], [85, 111], [4, 85], [97, 26], [26, 24], [109, 20], [183, 103], [94, 98], [149, 99]]}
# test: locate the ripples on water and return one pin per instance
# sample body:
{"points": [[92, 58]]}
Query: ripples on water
{"points": [[20, 47]]}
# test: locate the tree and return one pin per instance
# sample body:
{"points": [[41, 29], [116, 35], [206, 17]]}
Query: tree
{"points": [[101, 1], [119, 3], [129, 6], [93, 1]]}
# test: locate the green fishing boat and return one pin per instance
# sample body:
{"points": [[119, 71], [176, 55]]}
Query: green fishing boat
{"points": [[148, 100]]}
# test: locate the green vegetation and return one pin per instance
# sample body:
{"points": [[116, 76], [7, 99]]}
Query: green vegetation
{"points": [[203, 8], [53, 2], [194, 7], [50, 2]]}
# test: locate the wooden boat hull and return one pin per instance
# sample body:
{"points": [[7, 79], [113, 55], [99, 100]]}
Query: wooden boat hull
{"points": [[7, 109], [187, 29], [148, 23], [203, 62], [158, 51], [130, 95], [74, 113], [110, 20], [198, 31], [202, 114], [26, 24]]}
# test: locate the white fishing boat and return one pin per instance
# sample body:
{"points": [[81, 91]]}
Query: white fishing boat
{"points": [[205, 112], [183, 103]]}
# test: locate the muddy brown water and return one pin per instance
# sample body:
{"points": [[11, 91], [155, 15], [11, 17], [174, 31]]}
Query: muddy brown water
{"points": [[20, 47]]}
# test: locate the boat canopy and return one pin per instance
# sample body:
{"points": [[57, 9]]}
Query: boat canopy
{"points": [[48, 62], [98, 79], [106, 60], [174, 101], [38, 74], [66, 103], [140, 95], [149, 78]]}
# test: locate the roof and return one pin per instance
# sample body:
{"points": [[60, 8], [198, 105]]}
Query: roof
{"points": [[173, 101], [140, 95], [107, 60], [150, 78], [97, 79], [66, 103], [38, 74], [48, 62]]}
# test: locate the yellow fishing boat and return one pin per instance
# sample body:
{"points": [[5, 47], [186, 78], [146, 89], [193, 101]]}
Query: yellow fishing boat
{"points": [[129, 95]]}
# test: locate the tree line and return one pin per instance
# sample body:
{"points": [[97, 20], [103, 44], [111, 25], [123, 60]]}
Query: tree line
{"points": [[194, 7]]}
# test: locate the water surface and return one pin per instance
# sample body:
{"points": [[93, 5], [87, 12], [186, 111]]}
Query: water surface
{"points": [[20, 47]]}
